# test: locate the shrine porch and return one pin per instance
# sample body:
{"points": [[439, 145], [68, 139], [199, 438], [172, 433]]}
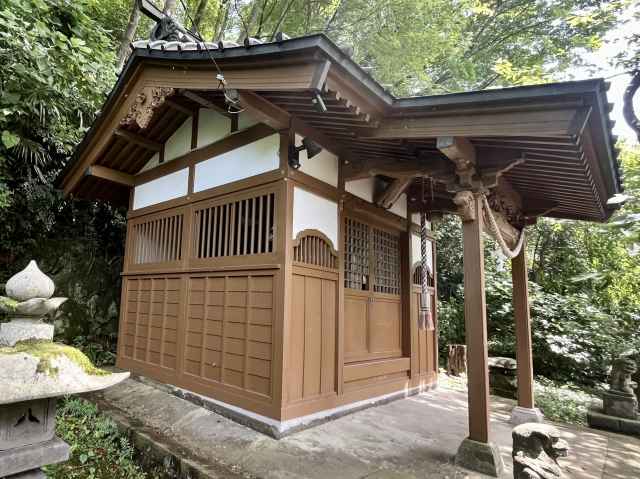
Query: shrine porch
{"points": [[413, 437]]}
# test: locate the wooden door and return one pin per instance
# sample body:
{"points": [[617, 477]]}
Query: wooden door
{"points": [[372, 306]]}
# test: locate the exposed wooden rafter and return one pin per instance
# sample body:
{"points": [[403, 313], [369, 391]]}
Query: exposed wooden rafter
{"points": [[387, 198], [138, 139], [109, 174], [179, 107], [202, 101]]}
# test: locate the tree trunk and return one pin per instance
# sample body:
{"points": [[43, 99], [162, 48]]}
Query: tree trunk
{"points": [[457, 360], [197, 18], [169, 7], [127, 36], [245, 30], [221, 21]]}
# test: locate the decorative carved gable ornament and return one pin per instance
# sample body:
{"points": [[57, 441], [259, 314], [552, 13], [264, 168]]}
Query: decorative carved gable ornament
{"points": [[145, 104]]}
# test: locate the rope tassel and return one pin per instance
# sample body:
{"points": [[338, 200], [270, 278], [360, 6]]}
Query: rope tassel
{"points": [[425, 317]]}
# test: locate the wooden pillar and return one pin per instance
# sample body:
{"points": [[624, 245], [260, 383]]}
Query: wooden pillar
{"points": [[475, 318], [523, 329]]}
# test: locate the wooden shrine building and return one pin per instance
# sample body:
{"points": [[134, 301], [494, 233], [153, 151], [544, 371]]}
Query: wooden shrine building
{"points": [[273, 254]]}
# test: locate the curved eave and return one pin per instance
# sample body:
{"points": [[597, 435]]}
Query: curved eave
{"points": [[357, 105]]}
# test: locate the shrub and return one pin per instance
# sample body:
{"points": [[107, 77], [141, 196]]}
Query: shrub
{"points": [[562, 403], [98, 449]]}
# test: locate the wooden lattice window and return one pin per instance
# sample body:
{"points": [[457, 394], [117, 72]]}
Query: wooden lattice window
{"points": [[234, 228], [357, 252], [313, 247], [372, 258], [158, 240], [386, 255]]}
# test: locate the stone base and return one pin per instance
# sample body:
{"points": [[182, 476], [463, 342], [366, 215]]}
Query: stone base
{"points": [[620, 405], [27, 458], [522, 415], [23, 329], [480, 457], [597, 419], [33, 474]]}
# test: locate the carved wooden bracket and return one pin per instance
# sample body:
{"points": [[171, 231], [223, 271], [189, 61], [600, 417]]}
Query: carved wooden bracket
{"points": [[145, 104], [464, 200]]}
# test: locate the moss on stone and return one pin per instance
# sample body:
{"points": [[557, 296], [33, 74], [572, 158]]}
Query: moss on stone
{"points": [[8, 304], [46, 351]]}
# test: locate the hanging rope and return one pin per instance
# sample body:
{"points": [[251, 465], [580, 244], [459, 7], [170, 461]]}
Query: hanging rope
{"points": [[497, 235], [425, 318]]}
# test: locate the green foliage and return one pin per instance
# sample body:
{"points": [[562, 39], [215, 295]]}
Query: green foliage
{"points": [[562, 403], [57, 66], [98, 449], [584, 291]]}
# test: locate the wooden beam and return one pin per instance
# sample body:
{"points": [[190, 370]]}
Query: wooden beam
{"points": [[391, 194], [202, 101], [265, 111], [475, 318], [522, 329], [536, 123], [179, 107], [462, 154], [108, 174], [426, 166], [138, 139]]}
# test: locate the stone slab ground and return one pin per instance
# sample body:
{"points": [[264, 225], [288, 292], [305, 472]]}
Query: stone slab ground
{"points": [[415, 437]]}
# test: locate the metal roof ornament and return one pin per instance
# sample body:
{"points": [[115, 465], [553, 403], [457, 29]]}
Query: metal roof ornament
{"points": [[167, 29]]}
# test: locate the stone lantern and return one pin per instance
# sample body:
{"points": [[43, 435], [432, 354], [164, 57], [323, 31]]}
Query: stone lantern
{"points": [[34, 371]]}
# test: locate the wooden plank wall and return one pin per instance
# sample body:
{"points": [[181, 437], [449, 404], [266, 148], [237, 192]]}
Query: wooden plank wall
{"points": [[312, 337], [202, 297]]}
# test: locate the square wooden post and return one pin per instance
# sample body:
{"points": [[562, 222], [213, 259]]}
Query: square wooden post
{"points": [[476, 452], [475, 319], [525, 411]]}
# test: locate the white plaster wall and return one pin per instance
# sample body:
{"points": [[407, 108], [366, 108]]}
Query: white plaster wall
{"points": [[311, 211], [400, 206], [168, 187], [152, 163], [323, 166], [415, 251], [249, 160], [179, 143], [415, 218], [212, 126], [246, 120], [363, 188]]}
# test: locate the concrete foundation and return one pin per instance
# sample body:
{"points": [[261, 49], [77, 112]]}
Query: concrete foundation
{"points": [[522, 415], [480, 457], [272, 427]]}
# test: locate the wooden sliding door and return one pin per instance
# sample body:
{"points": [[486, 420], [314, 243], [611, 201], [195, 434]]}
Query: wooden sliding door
{"points": [[372, 309]]}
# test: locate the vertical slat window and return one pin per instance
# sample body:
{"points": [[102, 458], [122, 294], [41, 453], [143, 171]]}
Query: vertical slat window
{"points": [[236, 228], [158, 240], [386, 256], [356, 255]]}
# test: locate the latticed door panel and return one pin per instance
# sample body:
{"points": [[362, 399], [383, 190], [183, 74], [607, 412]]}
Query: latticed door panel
{"points": [[357, 255], [373, 313], [386, 260]]}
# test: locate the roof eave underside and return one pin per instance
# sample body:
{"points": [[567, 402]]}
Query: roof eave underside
{"points": [[590, 148]]}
